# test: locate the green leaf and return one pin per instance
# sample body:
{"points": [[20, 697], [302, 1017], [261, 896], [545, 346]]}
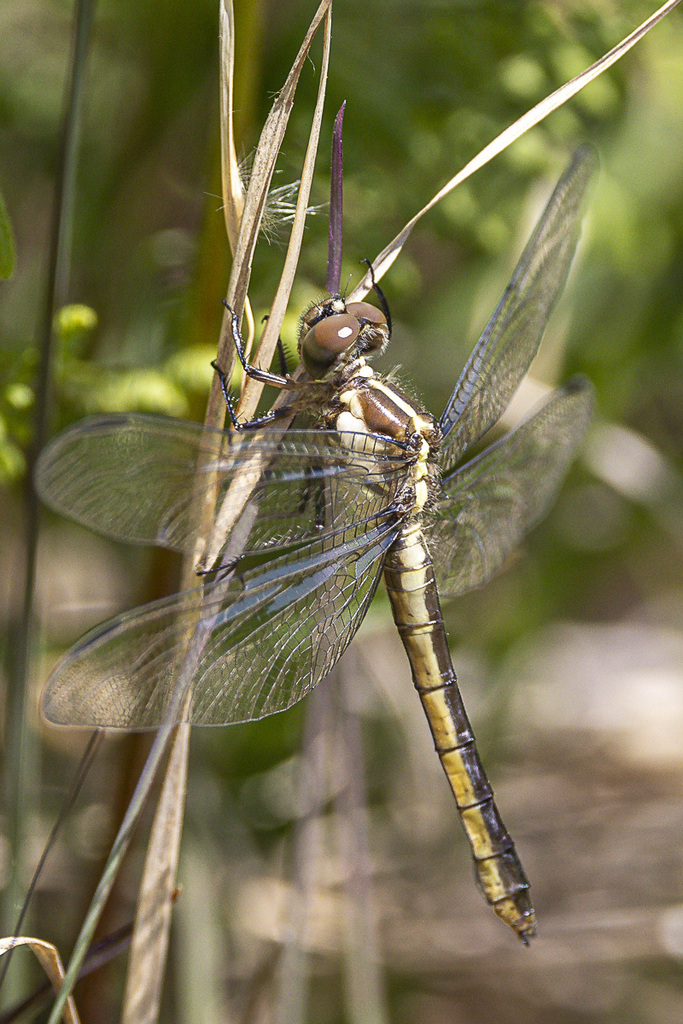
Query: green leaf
{"points": [[6, 243]]}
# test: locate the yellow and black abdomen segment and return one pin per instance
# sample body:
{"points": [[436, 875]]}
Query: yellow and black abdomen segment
{"points": [[409, 577]]}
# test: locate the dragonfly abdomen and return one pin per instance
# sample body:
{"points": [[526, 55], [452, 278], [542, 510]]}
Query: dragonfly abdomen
{"points": [[409, 578]]}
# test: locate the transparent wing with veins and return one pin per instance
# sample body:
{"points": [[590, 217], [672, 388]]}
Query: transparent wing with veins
{"points": [[268, 637], [322, 509], [510, 341], [491, 502], [140, 479]]}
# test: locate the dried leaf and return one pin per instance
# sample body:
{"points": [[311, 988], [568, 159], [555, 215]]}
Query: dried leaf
{"points": [[532, 117], [51, 962]]}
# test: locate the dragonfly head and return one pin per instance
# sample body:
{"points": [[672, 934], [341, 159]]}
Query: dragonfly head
{"points": [[335, 331]]}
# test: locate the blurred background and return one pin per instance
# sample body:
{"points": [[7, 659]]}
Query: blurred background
{"points": [[323, 870]]}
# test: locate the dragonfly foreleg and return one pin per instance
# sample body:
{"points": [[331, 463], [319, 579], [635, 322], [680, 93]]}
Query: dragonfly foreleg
{"points": [[257, 421], [255, 372]]}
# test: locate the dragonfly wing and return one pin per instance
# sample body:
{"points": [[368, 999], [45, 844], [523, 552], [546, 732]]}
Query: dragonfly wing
{"points": [[146, 479], [489, 504], [251, 645], [505, 350]]}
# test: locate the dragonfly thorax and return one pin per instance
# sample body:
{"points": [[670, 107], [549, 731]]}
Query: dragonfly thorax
{"points": [[362, 403], [334, 332], [334, 339]]}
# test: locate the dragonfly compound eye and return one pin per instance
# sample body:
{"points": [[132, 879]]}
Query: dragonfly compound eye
{"points": [[326, 340], [366, 311], [374, 326]]}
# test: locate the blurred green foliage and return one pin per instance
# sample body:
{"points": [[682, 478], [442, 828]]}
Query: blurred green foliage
{"points": [[427, 84], [6, 243]]}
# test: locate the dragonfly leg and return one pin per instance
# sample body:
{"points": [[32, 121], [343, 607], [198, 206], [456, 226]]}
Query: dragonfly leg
{"points": [[255, 372], [257, 421], [383, 304]]}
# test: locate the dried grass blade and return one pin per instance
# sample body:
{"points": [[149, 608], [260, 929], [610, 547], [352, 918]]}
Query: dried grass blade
{"points": [[254, 205], [157, 888], [51, 962], [214, 528], [532, 117], [233, 190], [232, 187], [253, 388], [153, 914]]}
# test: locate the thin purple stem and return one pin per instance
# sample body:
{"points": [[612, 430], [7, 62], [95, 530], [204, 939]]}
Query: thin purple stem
{"points": [[334, 249]]}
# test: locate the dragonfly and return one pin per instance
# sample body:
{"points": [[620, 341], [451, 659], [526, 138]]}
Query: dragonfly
{"points": [[373, 486]]}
